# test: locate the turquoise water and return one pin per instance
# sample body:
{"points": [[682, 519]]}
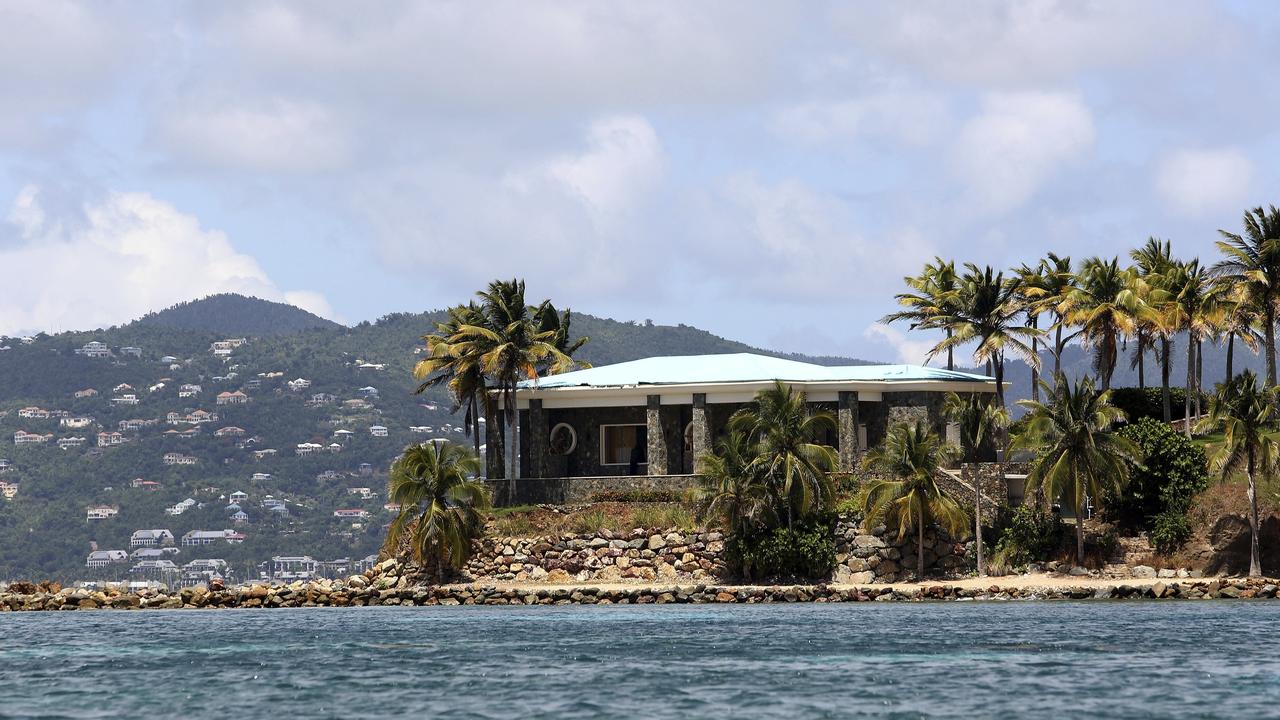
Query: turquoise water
{"points": [[1045, 659]]}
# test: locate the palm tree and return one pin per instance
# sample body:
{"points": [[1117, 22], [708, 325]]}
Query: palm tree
{"points": [[782, 428], [738, 494], [1152, 262], [1247, 414], [979, 422], [441, 505], [1058, 281], [987, 312], [1190, 309], [1235, 321], [934, 299], [1077, 456], [1107, 305], [445, 364], [907, 495], [1252, 264], [510, 347], [1031, 288]]}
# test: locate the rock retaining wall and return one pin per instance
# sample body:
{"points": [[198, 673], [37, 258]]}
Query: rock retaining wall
{"points": [[663, 555], [877, 557]]}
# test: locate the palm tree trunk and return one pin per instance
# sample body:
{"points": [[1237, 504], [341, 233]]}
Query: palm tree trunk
{"points": [[1035, 372], [920, 545], [1269, 333], [1164, 379], [1199, 373], [1231, 351], [513, 419], [999, 370], [1057, 354], [1255, 564], [475, 423], [951, 364], [1080, 537], [977, 518], [1191, 380], [1142, 361]]}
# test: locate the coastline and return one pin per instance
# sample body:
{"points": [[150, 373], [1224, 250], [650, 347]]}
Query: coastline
{"points": [[354, 593]]}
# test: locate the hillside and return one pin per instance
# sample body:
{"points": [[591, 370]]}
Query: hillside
{"points": [[356, 378], [232, 314]]}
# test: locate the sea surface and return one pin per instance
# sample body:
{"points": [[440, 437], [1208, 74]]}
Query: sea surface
{"points": [[1015, 659]]}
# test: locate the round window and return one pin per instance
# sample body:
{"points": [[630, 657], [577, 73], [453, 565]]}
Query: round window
{"points": [[563, 439]]}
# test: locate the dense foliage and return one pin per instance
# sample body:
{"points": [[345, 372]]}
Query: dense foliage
{"points": [[1172, 473], [1028, 536], [1138, 403], [232, 314], [805, 551]]}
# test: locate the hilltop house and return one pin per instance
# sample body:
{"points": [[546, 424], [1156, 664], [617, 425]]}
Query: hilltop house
{"points": [[351, 513], [125, 399], [131, 351], [209, 537], [378, 430], [75, 422], [34, 413], [103, 558], [150, 538], [181, 507], [22, 437], [229, 431], [342, 434], [321, 399], [100, 512], [70, 442], [144, 484], [86, 393], [653, 417], [232, 398], [136, 424], [299, 384], [189, 390], [108, 439], [223, 348], [8, 490], [94, 349], [368, 392], [174, 458], [308, 448]]}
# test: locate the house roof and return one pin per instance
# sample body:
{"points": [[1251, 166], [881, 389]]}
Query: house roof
{"points": [[740, 368]]}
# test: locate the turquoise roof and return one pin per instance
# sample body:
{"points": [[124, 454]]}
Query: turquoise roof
{"points": [[740, 368]]}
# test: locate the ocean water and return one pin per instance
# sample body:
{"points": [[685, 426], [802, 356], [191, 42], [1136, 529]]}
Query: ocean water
{"points": [[1017, 659]]}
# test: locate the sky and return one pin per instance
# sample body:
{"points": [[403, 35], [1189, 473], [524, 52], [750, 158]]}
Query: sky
{"points": [[766, 171]]}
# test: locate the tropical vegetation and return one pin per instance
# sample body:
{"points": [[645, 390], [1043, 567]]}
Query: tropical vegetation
{"points": [[442, 504], [978, 423], [905, 494]]}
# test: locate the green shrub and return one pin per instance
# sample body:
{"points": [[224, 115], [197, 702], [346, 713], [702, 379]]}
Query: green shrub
{"points": [[635, 495], [1028, 536], [1149, 403], [1173, 472], [591, 521], [1172, 530], [807, 551], [663, 517]]}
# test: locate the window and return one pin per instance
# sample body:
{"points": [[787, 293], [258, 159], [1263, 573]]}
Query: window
{"points": [[563, 439], [623, 445]]}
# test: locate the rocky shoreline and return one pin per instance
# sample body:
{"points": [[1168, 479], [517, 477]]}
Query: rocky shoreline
{"points": [[388, 586]]}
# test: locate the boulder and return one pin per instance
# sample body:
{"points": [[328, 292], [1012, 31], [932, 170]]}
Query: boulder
{"points": [[1143, 571]]}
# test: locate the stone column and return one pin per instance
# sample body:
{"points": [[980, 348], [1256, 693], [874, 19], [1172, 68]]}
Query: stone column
{"points": [[657, 438], [847, 423], [701, 428], [494, 455], [538, 440]]}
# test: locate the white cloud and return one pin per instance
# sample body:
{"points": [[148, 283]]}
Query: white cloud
{"points": [[1199, 182], [791, 242], [1017, 142], [132, 254], [910, 117], [1000, 44], [909, 352], [566, 221], [278, 136]]}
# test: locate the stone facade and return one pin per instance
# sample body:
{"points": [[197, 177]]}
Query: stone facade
{"points": [[578, 490]]}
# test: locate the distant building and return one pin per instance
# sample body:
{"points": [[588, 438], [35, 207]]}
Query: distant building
{"points": [[33, 413], [197, 538], [203, 571], [131, 351], [368, 393], [109, 439], [239, 516], [307, 448], [222, 348], [288, 569], [151, 538], [181, 507], [104, 558], [67, 443], [378, 430], [86, 393], [179, 459], [125, 399], [8, 490], [22, 437], [299, 384], [229, 431], [100, 512], [75, 422], [232, 398], [351, 513], [342, 434], [94, 349]]}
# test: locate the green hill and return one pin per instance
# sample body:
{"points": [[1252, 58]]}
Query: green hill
{"points": [[232, 314], [43, 529]]}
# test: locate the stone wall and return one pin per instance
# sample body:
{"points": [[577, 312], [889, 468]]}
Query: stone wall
{"points": [[578, 490], [642, 555], [877, 556]]}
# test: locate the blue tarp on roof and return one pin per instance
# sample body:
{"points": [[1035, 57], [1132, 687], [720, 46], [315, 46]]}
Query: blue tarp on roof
{"points": [[739, 367]]}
